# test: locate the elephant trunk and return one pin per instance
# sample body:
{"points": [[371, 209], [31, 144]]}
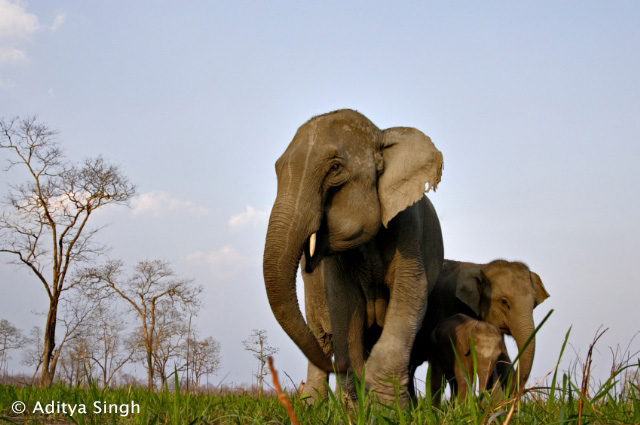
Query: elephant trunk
{"points": [[521, 334], [287, 233]]}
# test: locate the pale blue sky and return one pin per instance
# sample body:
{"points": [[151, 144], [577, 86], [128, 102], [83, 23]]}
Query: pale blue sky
{"points": [[534, 105]]}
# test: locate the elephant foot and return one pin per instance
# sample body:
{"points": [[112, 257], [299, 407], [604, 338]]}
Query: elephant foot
{"points": [[390, 387], [347, 386], [316, 386], [387, 373], [310, 396]]}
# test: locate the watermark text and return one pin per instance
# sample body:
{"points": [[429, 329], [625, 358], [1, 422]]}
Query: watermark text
{"points": [[98, 407]]}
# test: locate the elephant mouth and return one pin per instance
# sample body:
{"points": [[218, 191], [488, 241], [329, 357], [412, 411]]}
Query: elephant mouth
{"points": [[318, 245]]}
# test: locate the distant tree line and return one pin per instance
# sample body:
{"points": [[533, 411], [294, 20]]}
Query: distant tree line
{"points": [[45, 226], [100, 317], [99, 335]]}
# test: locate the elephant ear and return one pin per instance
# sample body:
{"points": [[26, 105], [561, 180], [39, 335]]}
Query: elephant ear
{"points": [[411, 160], [469, 287], [538, 288]]}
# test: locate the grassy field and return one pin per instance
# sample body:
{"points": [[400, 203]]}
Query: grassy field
{"points": [[567, 405], [568, 398]]}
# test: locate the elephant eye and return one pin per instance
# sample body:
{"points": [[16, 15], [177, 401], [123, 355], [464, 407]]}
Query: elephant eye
{"points": [[505, 303], [337, 174]]}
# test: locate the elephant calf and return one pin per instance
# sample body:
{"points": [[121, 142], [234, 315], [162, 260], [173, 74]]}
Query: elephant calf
{"points": [[458, 333]]}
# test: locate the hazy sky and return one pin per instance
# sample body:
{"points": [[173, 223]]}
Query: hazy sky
{"points": [[534, 105]]}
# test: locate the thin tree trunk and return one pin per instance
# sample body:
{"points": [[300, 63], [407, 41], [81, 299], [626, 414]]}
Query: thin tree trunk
{"points": [[188, 350], [48, 365], [260, 373], [148, 344], [33, 378], [150, 370]]}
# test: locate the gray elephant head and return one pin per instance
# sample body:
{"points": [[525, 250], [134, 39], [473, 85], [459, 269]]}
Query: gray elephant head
{"points": [[339, 181], [504, 294]]}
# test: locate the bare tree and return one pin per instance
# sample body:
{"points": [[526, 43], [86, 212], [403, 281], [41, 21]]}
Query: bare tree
{"points": [[74, 322], [75, 361], [110, 351], [44, 223], [11, 338], [32, 354], [258, 344], [151, 285], [171, 335], [203, 358], [126, 379]]}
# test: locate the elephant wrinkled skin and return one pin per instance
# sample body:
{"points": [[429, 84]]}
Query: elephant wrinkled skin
{"points": [[351, 211]]}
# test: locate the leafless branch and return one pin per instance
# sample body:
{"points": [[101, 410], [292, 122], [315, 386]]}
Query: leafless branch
{"points": [[44, 221], [158, 298]]}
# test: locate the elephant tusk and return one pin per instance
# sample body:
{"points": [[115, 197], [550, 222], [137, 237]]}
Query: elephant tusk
{"points": [[312, 245]]}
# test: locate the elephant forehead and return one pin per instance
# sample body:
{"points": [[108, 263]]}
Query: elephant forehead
{"points": [[343, 127], [507, 265], [315, 146], [488, 347], [505, 271], [338, 127], [343, 116]]}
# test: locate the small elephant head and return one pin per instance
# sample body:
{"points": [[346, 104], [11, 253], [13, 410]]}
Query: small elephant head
{"points": [[504, 294], [339, 181]]}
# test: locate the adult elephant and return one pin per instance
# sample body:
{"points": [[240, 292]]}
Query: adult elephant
{"points": [[502, 293], [351, 210]]}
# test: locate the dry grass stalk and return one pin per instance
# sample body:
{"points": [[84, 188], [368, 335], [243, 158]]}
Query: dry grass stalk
{"points": [[586, 375], [281, 395], [513, 407]]}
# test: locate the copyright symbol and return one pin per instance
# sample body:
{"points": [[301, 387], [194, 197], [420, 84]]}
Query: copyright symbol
{"points": [[18, 407]]}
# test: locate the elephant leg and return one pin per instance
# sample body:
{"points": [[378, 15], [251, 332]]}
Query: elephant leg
{"points": [[388, 365], [347, 312], [494, 386], [317, 382], [505, 372], [501, 368], [411, 387], [436, 384]]}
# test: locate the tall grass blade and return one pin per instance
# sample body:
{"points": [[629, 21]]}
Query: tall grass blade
{"points": [[552, 391]]}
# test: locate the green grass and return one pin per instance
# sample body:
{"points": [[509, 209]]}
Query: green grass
{"points": [[534, 407], [605, 406], [567, 398]]}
